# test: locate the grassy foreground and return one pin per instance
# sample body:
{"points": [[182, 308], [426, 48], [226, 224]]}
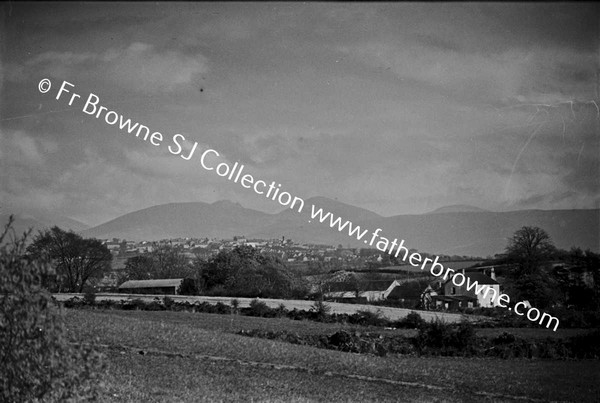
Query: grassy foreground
{"points": [[178, 356]]}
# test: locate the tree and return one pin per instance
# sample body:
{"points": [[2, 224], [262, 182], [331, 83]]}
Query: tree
{"points": [[170, 262], [188, 287], [245, 272], [529, 247], [163, 262], [579, 278], [76, 260], [37, 360], [139, 268]]}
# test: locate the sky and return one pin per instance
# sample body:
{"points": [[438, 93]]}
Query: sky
{"points": [[400, 108]]}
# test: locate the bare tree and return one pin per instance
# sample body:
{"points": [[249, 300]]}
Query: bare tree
{"points": [[75, 259], [528, 247]]}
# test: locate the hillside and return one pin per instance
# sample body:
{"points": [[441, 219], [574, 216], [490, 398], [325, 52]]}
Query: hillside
{"points": [[222, 219], [477, 233], [486, 233], [457, 208], [38, 220]]}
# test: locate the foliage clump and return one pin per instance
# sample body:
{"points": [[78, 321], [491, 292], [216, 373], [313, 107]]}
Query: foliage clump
{"points": [[411, 321], [441, 338], [261, 309], [321, 310], [245, 272], [77, 261], [37, 362]]}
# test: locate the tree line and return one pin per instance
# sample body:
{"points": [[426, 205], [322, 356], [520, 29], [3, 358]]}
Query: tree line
{"points": [[79, 263]]}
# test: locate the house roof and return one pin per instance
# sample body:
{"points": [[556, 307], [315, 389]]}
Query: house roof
{"points": [[398, 293], [167, 282], [379, 285], [479, 277]]}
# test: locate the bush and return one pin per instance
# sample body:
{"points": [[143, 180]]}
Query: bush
{"points": [[259, 308], [321, 310], [168, 301], [412, 321], [89, 297], [439, 337], [222, 308], [137, 304], [38, 362], [369, 318]]}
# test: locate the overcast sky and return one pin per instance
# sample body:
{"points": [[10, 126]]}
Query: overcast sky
{"points": [[398, 108]]}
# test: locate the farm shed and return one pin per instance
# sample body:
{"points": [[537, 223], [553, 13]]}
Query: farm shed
{"points": [[161, 286]]}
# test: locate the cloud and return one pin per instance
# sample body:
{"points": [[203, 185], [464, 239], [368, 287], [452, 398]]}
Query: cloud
{"points": [[19, 148], [471, 75], [522, 74], [138, 67], [142, 68]]}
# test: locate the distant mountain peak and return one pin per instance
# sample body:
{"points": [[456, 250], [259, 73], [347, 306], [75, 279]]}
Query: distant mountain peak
{"points": [[458, 208]]}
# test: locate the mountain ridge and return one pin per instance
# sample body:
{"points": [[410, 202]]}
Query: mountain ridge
{"points": [[458, 208], [476, 233], [37, 220]]}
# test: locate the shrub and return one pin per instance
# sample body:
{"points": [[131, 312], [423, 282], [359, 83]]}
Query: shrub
{"points": [[155, 305], [169, 302], [259, 308], [281, 310], [222, 308], [136, 304], [89, 297], [321, 310], [369, 318], [412, 321], [37, 361], [439, 337], [74, 302]]}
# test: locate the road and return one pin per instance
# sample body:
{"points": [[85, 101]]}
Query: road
{"points": [[305, 305]]}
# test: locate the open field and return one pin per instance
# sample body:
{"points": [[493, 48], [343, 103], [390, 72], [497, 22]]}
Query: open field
{"points": [[179, 356], [235, 323], [305, 305]]}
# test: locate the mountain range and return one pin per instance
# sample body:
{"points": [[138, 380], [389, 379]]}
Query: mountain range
{"points": [[36, 220], [456, 230], [452, 230]]}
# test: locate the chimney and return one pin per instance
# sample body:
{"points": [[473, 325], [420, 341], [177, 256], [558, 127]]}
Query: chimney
{"points": [[493, 274]]}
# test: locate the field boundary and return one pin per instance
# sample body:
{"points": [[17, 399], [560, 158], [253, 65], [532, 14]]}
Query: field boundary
{"points": [[390, 313]]}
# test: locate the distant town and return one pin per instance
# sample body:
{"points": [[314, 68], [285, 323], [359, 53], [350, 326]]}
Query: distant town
{"points": [[295, 255]]}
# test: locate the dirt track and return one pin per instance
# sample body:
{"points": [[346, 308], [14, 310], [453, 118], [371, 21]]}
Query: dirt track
{"points": [[336, 307]]}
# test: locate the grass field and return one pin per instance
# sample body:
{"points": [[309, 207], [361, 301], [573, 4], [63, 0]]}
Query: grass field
{"points": [[178, 356]]}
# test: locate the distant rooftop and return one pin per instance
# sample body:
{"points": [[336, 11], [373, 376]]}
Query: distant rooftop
{"points": [[168, 282]]}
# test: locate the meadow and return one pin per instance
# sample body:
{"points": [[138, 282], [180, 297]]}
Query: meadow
{"points": [[189, 357]]}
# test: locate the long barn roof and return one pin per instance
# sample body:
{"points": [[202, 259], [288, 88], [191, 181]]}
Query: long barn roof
{"points": [[167, 282]]}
